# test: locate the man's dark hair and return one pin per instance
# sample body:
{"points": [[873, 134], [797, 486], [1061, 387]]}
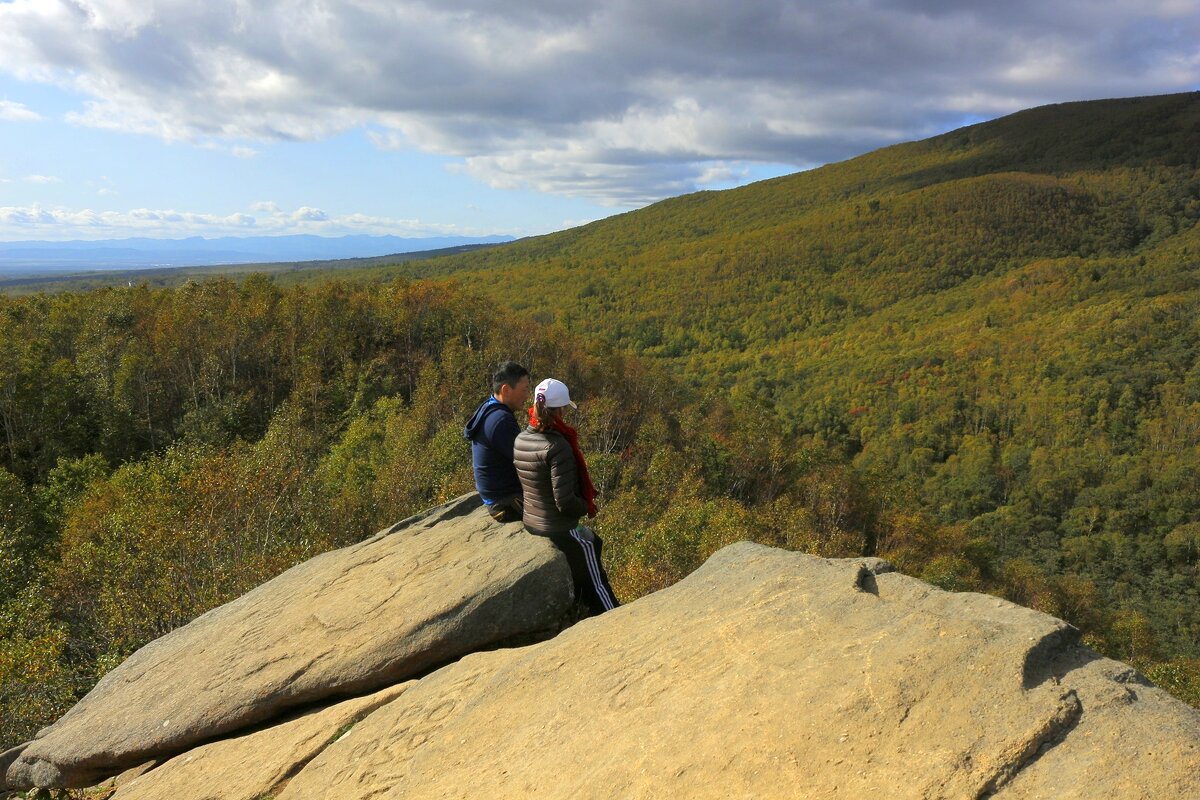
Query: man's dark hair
{"points": [[507, 373]]}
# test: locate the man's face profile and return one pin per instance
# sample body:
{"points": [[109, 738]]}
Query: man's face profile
{"points": [[516, 396]]}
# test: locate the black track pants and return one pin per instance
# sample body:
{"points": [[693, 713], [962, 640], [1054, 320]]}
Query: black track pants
{"points": [[582, 548]]}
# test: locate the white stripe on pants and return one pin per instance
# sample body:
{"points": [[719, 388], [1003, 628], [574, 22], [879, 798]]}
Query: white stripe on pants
{"points": [[593, 565]]}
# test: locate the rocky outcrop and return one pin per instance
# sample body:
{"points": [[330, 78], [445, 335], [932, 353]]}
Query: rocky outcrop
{"points": [[763, 674], [345, 623], [256, 764], [774, 674], [1131, 740]]}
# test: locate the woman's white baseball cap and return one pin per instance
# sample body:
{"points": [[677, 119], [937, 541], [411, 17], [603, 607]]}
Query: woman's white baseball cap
{"points": [[555, 394]]}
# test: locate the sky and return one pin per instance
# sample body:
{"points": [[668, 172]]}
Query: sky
{"points": [[168, 119]]}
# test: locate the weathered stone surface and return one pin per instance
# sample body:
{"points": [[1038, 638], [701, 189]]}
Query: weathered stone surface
{"points": [[7, 758], [110, 785], [424, 592], [1131, 733], [133, 773], [255, 764], [774, 674]]}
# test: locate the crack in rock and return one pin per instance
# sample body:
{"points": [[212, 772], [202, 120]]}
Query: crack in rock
{"points": [[1050, 732]]}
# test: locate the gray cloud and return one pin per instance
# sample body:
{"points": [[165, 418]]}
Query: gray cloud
{"points": [[622, 102]]}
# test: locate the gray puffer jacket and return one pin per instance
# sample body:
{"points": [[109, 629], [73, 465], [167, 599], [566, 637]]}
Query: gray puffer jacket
{"points": [[550, 481]]}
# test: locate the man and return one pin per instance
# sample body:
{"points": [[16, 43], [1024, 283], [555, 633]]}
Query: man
{"points": [[492, 430]]}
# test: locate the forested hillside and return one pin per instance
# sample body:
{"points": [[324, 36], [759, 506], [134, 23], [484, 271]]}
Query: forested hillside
{"points": [[978, 356], [999, 327]]}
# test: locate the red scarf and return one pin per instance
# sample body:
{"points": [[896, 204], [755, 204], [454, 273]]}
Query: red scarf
{"points": [[585, 480]]}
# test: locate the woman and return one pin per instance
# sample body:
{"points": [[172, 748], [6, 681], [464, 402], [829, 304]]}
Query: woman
{"points": [[558, 491]]}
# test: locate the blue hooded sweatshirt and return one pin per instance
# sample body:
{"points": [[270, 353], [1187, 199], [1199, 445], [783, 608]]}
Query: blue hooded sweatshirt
{"points": [[492, 430]]}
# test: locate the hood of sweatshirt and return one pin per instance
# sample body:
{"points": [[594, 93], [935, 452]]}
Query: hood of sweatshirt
{"points": [[486, 409]]}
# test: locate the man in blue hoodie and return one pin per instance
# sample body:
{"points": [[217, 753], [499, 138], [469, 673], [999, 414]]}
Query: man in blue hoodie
{"points": [[492, 430]]}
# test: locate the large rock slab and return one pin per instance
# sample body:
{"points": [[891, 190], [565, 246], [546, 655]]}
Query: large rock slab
{"points": [[254, 765], [348, 622], [772, 674], [1132, 739]]}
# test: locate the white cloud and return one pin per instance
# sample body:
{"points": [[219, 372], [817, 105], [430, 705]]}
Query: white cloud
{"points": [[39, 179], [237, 150], [60, 223], [622, 102], [16, 112], [387, 140], [307, 214], [575, 223], [722, 173]]}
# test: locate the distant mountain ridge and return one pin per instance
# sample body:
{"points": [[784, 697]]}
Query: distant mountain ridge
{"points": [[46, 256]]}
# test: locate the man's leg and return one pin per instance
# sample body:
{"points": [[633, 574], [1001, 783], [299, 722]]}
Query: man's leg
{"points": [[510, 510]]}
